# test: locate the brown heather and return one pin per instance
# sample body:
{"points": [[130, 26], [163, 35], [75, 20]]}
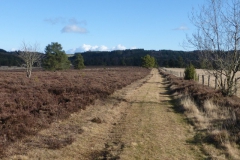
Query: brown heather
{"points": [[29, 105]]}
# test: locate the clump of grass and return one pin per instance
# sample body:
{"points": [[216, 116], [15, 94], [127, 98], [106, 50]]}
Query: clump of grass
{"points": [[218, 137], [189, 105], [193, 112], [211, 118]]}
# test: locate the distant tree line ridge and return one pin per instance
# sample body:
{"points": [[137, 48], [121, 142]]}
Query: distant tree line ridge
{"points": [[133, 57], [129, 57]]}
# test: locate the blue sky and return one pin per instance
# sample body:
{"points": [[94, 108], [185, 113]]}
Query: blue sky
{"points": [[81, 25]]}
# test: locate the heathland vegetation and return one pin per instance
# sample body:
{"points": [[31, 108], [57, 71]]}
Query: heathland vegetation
{"points": [[30, 104]]}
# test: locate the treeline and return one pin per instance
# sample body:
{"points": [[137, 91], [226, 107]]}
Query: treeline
{"points": [[133, 57], [9, 58]]}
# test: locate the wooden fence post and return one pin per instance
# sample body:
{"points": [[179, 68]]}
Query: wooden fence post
{"points": [[224, 84], [180, 74], [235, 86], [208, 80], [198, 78], [202, 79], [216, 78]]}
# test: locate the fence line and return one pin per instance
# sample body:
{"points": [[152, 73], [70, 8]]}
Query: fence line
{"points": [[202, 79]]}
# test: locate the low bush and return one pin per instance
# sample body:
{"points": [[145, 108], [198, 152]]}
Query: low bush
{"points": [[190, 73]]}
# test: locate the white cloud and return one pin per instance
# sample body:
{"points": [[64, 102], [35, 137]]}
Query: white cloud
{"points": [[133, 48], [73, 29], [13, 49], [87, 47], [71, 24], [182, 28], [119, 47]]}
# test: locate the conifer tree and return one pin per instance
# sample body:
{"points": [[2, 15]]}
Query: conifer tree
{"points": [[56, 58], [78, 61], [190, 73], [148, 61]]}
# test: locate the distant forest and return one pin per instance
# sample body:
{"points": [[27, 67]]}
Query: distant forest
{"points": [[9, 59], [164, 58]]}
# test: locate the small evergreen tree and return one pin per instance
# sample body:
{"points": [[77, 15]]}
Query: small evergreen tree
{"points": [[78, 61], [148, 61], [190, 73], [56, 58]]}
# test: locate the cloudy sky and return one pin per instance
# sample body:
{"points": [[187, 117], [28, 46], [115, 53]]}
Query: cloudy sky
{"points": [[99, 25]]}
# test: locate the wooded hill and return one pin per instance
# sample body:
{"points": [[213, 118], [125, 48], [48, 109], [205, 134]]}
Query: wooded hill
{"points": [[164, 58], [9, 58]]}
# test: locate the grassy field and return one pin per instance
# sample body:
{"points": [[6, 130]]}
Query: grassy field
{"points": [[179, 73]]}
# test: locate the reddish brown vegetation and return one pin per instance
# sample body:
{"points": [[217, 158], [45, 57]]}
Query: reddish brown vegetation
{"points": [[28, 105], [201, 93]]}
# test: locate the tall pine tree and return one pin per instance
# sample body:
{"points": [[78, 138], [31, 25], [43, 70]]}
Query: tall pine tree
{"points": [[56, 58]]}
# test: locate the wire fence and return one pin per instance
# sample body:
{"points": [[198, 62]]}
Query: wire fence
{"points": [[204, 79]]}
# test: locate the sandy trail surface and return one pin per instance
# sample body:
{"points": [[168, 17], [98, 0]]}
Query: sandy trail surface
{"points": [[137, 122]]}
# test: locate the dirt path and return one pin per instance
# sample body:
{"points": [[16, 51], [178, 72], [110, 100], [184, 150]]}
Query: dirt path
{"points": [[137, 122]]}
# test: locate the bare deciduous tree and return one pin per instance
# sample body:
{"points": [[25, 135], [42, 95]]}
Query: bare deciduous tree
{"points": [[218, 38], [30, 56]]}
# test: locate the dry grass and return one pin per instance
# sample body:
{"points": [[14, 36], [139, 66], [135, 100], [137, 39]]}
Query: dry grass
{"points": [[211, 118], [200, 72], [189, 105], [216, 118]]}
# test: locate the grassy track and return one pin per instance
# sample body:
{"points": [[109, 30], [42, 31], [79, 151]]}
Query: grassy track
{"points": [[153, 129]]}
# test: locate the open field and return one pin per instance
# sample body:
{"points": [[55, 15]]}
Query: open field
{"points": [[29, 105], [179, 73]]}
